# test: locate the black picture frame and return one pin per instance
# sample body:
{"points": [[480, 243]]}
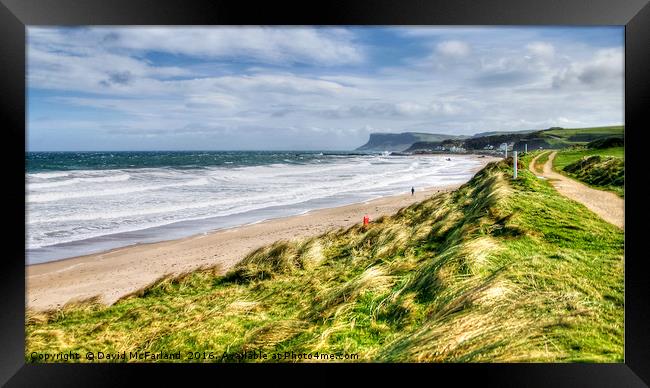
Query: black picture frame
{"points": [[15, 15]]}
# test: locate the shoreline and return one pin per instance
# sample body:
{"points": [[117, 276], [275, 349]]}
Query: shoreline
{"points": [[117, 272]]}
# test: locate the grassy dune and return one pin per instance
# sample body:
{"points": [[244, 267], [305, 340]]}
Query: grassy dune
{"points": [[600, 168], [572, 155], [497, 271]]}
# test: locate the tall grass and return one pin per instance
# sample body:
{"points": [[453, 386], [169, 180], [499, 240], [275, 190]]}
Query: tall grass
{"points": [[572, 155], [599, 168], [497, 271]]}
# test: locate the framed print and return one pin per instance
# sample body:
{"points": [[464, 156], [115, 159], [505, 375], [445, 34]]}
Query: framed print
{"points": [[367, 188]]}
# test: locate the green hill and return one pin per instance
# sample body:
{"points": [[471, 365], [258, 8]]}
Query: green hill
{"points": [[607, 142], [602, 168], [552, 138], [497, 271], [584, 135], [492, 133]]}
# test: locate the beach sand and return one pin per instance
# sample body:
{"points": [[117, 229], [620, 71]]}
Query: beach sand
{"points": [[113, 274]]}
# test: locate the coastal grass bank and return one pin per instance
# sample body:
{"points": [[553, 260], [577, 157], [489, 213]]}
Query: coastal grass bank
{"points": [[500, 270]]}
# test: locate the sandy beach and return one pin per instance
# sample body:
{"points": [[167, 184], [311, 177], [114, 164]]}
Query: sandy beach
{"points": [[116, 273]]}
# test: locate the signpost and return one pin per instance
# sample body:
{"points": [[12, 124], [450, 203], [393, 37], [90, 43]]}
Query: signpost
{"points": [[514, 174]]}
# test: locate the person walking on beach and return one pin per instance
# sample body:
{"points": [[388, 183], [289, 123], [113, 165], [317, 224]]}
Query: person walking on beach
{"points": [[412, 191]]}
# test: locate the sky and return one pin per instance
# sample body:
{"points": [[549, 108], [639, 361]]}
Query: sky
{"points": [[311, 88]]}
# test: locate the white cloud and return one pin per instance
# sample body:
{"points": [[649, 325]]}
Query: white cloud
{"points": [[541, 50], [603, 70], [265, 87], [453, 49], [278, 83], [96, 72], [270, 44]]}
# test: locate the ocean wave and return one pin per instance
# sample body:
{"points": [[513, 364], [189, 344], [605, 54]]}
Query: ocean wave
{"points": [[62, 195], [49, 175], [35, 240], [114, 201], [72, 181]]}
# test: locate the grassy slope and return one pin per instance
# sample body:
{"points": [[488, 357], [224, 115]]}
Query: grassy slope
{"points": [[596, 132], [548, 138], [560, 138], [570, 156], [495, 271]]}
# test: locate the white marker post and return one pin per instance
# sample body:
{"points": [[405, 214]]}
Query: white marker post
{"points": [[526, 148], [514, 174]]}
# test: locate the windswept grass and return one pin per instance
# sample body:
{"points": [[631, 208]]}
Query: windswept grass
{"points": [[497, 271], [600, 168], [572, 155]]}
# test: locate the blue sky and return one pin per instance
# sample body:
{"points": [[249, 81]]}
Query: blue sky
{"points": [[250, 88]]}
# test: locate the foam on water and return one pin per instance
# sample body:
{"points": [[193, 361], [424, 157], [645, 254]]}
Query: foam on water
{"points": [[114, 178], [81, 207]]}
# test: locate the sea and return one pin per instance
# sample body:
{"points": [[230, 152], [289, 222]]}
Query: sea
{"points": [[79, 203]]}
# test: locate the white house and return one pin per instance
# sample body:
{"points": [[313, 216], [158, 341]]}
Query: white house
{"points": [[503, 146]]}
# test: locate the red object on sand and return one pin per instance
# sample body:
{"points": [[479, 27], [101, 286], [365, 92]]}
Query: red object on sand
{"points": [[366, 219]]}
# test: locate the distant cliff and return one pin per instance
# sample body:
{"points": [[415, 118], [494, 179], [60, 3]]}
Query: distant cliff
{"points": [[401, 141]]}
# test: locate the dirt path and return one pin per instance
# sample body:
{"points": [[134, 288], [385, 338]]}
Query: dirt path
{"points": [[608, 206]]}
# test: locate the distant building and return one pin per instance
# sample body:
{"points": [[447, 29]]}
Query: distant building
{"points": [[505, 146]]}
